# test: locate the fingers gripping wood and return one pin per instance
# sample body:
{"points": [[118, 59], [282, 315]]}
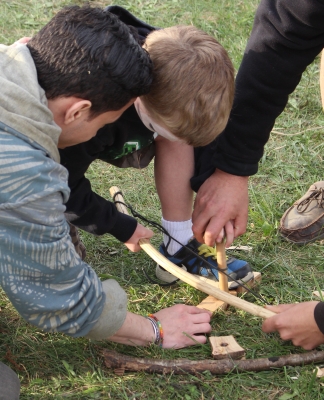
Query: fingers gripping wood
{"points": [[195, 281]]}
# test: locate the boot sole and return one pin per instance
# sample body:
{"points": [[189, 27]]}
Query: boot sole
{"points": [[304, 242]]}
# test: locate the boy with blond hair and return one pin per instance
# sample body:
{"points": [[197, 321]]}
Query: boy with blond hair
{"points": [[188, 105], [193, 84]]}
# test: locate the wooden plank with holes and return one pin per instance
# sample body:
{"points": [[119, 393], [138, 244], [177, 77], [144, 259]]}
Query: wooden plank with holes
{"points": [[226, 347], [212, 304], [253, 282]]}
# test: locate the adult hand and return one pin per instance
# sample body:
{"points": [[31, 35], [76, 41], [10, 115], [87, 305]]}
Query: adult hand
{"points": [[295, 322], [184, 326], [221, 202], [140, 233]]}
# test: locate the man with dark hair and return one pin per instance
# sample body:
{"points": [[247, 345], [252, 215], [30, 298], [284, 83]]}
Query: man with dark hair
{"points": [[59, 91], [108, 69]]}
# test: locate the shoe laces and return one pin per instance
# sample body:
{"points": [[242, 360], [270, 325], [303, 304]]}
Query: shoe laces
{"points": [[207, 251], [317, 195]]}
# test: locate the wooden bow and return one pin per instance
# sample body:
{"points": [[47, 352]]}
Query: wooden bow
{"points": [[198, 282]]}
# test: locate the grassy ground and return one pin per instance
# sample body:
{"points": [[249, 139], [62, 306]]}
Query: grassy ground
{"points": [[52, 366]]}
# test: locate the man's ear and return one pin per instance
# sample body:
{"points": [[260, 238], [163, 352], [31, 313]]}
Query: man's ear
{"points": [[75, 110]]}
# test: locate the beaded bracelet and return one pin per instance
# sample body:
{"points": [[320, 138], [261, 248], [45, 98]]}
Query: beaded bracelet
{"points": [[157, 327], [156, 330]]}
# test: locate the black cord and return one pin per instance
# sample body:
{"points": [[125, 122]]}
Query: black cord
{"points": [[163, 230]]}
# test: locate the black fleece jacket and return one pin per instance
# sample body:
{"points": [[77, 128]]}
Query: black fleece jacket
{"points": [[286, 37], [85, 208]]}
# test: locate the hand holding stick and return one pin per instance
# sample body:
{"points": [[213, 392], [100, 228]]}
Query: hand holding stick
{"points": [[200, 283]]}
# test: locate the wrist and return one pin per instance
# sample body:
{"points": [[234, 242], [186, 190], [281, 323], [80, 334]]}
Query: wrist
{"points": [[157, 328], [230, 175], [319, 315], [124, 227]]}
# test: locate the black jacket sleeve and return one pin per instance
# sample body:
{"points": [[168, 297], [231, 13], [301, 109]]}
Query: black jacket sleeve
{"points": [[86, 209], [287, 36]]}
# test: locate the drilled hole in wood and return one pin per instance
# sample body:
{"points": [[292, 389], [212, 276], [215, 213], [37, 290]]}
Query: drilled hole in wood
{"points": [[224, 344]]}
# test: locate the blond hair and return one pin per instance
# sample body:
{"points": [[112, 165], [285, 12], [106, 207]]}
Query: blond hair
{"points": [[193, 83]]}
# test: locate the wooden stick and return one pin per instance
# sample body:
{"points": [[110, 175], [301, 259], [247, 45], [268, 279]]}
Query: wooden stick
{"points": [[122, 362], [116, 194], [200, 283], [203, 285], [222, 264]]}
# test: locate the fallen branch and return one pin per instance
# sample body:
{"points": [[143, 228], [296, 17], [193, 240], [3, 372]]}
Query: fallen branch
{"points": [[121, 363]]}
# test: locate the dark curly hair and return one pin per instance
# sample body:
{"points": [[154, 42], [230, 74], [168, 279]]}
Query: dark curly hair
{"points": [[89, 53]]}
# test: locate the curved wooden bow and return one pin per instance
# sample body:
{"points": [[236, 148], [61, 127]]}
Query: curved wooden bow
{"points": [[198, 282]]}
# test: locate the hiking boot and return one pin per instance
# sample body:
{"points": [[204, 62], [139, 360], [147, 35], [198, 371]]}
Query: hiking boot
{"points": [[303, 222], [236, 269]]}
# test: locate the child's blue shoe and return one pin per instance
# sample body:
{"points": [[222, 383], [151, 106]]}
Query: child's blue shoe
{"points": [[236, 269]]}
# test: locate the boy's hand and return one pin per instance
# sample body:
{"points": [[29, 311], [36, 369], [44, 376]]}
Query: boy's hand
{"points": [[23, 40], [295, 322], [140, 233], [221, 202]]}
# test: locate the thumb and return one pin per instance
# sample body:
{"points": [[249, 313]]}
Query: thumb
{"points": [[148, 233]]}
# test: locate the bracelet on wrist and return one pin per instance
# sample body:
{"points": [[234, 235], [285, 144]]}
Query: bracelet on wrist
{"points": [[157, 327], [156, 330]]}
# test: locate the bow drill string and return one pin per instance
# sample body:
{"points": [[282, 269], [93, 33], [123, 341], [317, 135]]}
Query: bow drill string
{"points": [[163, 230]]}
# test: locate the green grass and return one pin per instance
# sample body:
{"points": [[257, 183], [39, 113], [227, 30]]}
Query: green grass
{"points": [[53, 366]]}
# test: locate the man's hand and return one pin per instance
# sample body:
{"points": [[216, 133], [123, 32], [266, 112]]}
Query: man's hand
{"points": [[295, 322], [184, 326], [221, 202], [140, 233]]}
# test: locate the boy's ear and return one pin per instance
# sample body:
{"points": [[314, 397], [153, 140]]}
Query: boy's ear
{"points": [[75, 110]]}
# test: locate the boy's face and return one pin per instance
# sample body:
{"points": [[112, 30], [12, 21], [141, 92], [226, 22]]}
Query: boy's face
{"points": [[151, 124]]}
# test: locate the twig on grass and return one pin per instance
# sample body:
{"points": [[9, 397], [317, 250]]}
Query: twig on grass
{"points": [[121, 362]]}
